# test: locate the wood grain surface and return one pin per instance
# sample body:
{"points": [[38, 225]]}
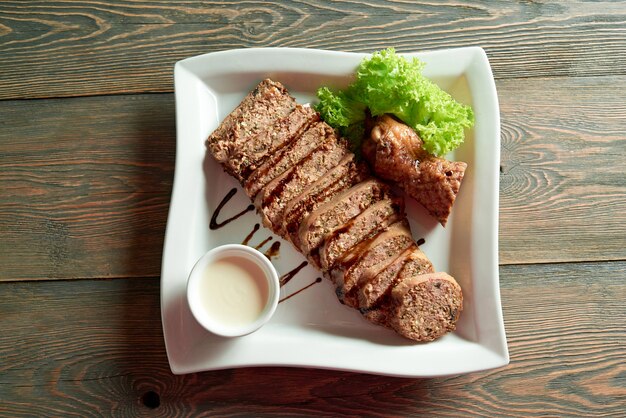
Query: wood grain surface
{"points": [[563, 164], [54, 49], [86, 186], [96, 348], [87, 149]]}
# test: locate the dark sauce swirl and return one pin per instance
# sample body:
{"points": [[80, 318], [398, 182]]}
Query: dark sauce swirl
{"points": [[216, 225], [265, 241], [318, 280], [273, 251], [285, 278], [247, 239]]}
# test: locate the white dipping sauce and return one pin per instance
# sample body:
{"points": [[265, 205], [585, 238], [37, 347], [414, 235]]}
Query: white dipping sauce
{"points": [[233, 291]]}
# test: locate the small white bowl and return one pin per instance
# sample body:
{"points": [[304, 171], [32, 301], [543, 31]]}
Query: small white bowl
{"points": [[228, 304]]}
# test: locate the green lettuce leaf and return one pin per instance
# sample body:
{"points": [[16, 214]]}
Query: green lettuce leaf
{"points": [[389, 83]]}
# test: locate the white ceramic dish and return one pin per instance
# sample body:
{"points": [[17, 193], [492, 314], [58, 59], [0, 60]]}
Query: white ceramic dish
{"points": [[235, 295], [312, 329]]}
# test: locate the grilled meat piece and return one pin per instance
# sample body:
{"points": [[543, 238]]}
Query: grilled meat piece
{"points": [[373, 290], [309, 189], [298, 148], [395, 153], [425, 306], [274, 198], [263, 106], [333, 215], [370, 222]]}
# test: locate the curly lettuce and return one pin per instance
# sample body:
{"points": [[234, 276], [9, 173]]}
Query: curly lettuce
{"points": [[389, 83]]}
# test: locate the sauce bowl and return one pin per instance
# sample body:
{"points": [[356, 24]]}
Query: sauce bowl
{"points": [[233, 290]]}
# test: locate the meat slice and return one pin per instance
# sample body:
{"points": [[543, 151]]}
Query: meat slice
{"points": [[345, 175], [368, 258], [298, 149], [268, 102], [372, 290], [395, 153], [424, 307], [332, 215], [252, 153], [273, 199], [372, 220], [416, 263], [377, 316]]}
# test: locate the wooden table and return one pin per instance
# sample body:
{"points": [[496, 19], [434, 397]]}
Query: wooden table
{"points": [[87, 146]]}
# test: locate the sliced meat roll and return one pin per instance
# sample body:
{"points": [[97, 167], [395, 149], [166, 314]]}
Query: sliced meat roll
{"points": [[371, 290], [367, 259], [334, 214], [251, 154], [424, 307], [301, 147], [372, 220], [345, 175], [273, 199], [268, 102]]}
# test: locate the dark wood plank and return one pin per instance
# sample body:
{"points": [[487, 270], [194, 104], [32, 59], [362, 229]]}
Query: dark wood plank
{"points": [[79, 48], [563, 181], [96, 347], [86, 182], [86, 186]]}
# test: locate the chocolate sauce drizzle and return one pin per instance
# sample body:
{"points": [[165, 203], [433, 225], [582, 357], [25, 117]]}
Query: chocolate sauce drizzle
{"points": [[214, 224], [318, 280], [265, 241], [285, 278], [273, 251], [250, 235]]}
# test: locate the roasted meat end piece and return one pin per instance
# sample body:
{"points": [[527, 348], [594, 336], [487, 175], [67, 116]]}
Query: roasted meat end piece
{"points": [[395, 153], [262, 107], [425, 306], [421, 307]]}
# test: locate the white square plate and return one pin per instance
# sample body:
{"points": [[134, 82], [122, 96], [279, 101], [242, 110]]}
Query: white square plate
{"points": [[312, 329]]}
